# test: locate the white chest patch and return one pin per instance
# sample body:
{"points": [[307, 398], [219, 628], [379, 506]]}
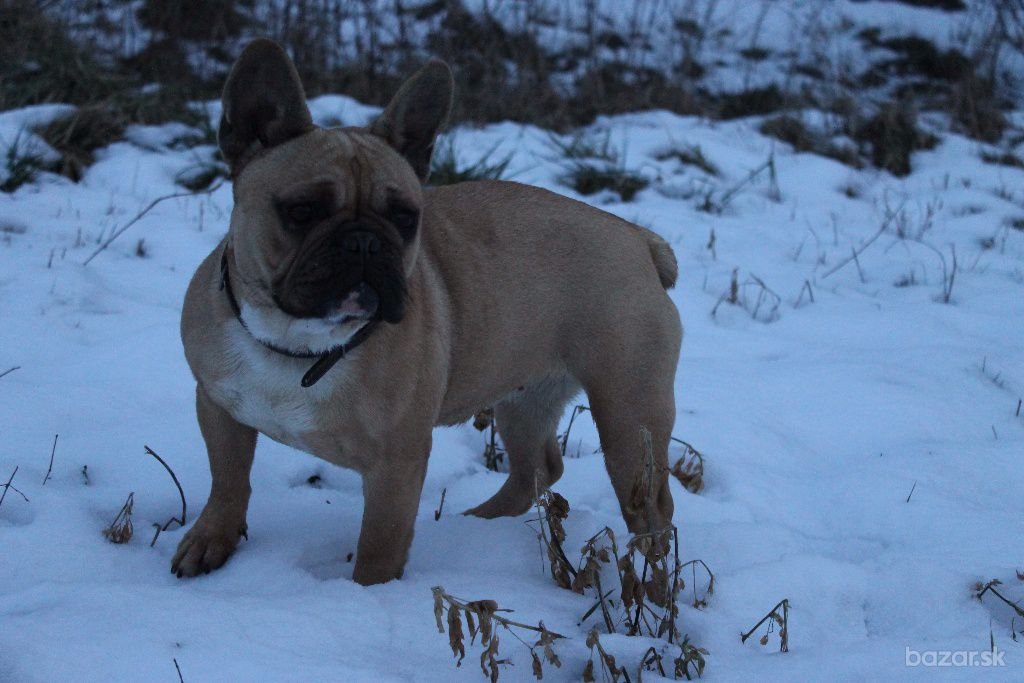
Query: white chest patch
{"points": [[262, 389], [316, 335]]}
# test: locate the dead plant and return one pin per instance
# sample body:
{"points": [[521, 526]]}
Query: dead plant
{"points": [[610, 670], [689, 468], [121, 529], [773, 617], [981, 588], [481, 617]]}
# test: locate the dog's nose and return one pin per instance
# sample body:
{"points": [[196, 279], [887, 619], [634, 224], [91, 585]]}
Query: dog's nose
{"points": [[360, 242]]}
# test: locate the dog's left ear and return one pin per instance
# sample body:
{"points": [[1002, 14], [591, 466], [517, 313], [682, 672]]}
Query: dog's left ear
{"points": [[416, 113], [264, 104]]}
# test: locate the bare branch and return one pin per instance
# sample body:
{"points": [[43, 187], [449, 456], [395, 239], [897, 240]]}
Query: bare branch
{"points": [[181, 521], [120, 231], [8, 486], [50, 468]]}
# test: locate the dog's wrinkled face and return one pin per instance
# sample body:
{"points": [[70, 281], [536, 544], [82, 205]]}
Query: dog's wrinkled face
{"points": [[324, 234], [325, 229]]}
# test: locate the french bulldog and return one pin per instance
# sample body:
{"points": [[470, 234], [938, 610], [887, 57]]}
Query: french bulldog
{"points": [[349, 310]]}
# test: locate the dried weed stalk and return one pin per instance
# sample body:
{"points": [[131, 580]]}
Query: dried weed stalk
{"points": [[650, 599], [709, 590], [181, 521], [552, 510], [773, 617], [688, 663], [651, 661], [690, 656], [494, 455], [648, 573], [481, 617], [578, 410], [610, 670], [981, 588], [9, 487], [53, 452], [596, 555], [121, 529]]}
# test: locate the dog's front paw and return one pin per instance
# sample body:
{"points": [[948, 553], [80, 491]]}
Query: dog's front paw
{"points": [[205, 547]]}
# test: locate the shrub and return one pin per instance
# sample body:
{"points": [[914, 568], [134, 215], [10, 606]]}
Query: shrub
{"points": [[751, 102], [591, 177], [792, 131], [21, 166], [81, 133], [892, 135], [446, 170]]}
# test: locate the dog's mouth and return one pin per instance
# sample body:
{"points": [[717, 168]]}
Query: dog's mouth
{"points": [[361, 304], [343, 276]]}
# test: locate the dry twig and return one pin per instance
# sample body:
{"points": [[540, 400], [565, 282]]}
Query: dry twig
{"points": [[437, 512], [52, 452], [120, 231], [578, 410], [981, 589], [8, 487], [773, 616], [181, 521]]}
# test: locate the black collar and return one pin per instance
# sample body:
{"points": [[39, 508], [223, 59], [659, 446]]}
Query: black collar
{"points": [[325, 360]]}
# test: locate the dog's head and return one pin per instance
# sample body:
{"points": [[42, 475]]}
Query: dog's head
{"points": [[325, 229]]}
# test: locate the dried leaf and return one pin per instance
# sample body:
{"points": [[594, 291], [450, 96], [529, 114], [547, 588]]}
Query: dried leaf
{"points": [[657, 587], [538, 670], [483, 419], [588, 672], [587, 576], [546, 640], [455, 634], [689, 469], [630, 587], [484, 609], [689, 655], [764, 639], [489, 660], [558, 506], [438, 607]]}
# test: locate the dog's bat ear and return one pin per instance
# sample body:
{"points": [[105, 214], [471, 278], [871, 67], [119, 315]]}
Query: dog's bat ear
{"points": [[416, 113], [264, 104]]}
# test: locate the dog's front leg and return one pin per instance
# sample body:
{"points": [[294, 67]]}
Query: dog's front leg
{"points": [[230, 446], [391, 498]]}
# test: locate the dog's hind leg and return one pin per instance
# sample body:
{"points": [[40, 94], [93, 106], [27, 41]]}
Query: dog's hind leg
{"points": [[526, 421], [628, 403]]}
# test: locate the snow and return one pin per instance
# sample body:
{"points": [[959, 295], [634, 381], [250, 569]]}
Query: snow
{"points": [[863, 455]]}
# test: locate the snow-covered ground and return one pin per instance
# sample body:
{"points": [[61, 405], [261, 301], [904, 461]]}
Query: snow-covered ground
{"points": [[818, 419]]}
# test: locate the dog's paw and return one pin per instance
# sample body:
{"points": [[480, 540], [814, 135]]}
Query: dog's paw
{"points": [[204, 548]]}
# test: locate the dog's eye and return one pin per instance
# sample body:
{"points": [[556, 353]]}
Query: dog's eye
{"points": [[301, 213], [406, 221]]}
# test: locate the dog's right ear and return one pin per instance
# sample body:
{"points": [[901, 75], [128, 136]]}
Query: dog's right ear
{"points": [[264, 104], [417, 112]]}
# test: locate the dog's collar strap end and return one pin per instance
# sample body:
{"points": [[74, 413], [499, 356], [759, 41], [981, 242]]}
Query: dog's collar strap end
{"points": [[324, 361]]}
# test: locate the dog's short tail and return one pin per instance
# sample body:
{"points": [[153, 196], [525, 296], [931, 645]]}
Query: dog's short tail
{"points": [[664, 260]]}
